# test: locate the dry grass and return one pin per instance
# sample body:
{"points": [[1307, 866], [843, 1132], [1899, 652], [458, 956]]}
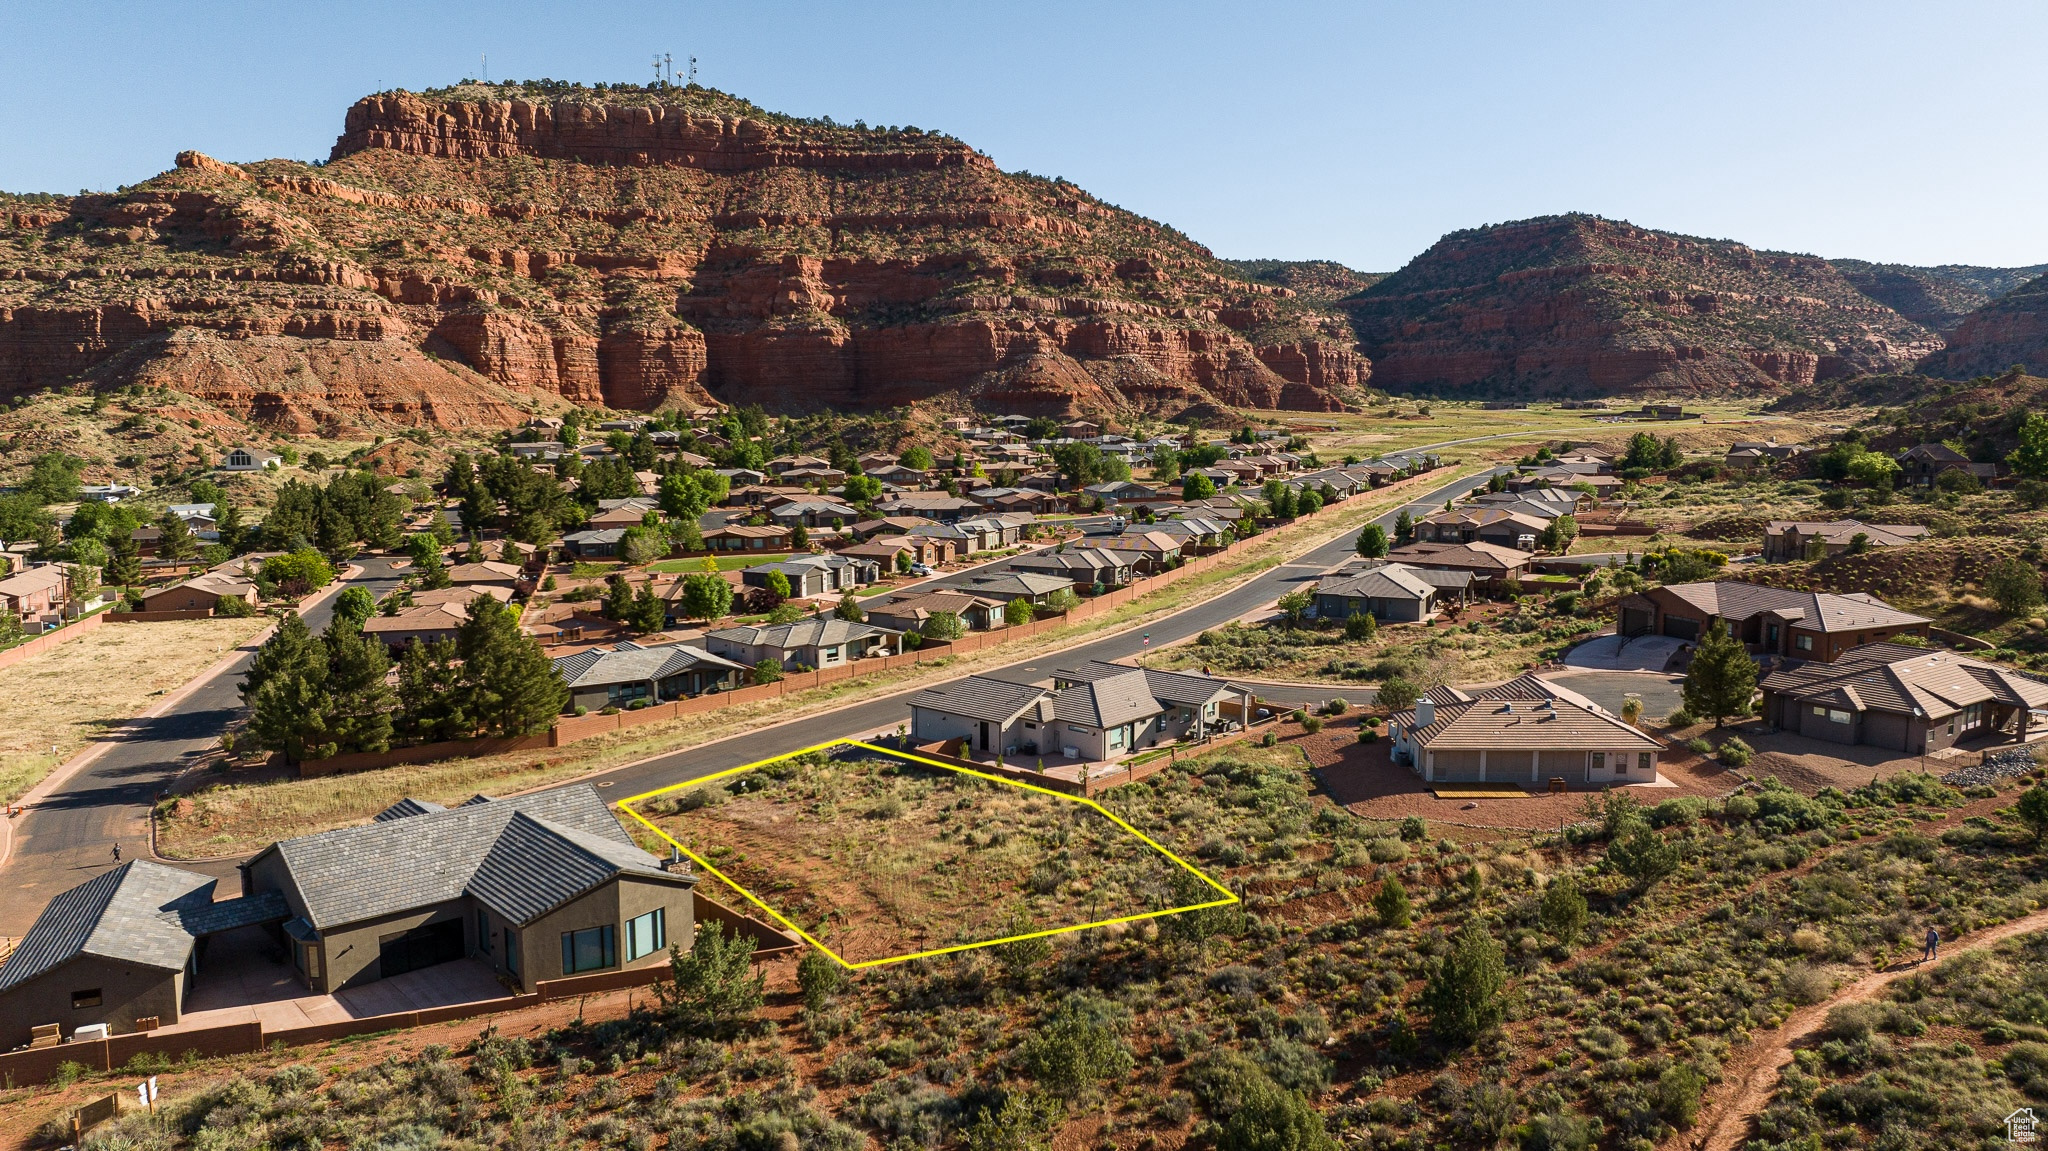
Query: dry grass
{"points": [[882, 858], [72, 693]]}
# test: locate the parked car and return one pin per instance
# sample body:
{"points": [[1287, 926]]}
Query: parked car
{"points": [[920, 569]]}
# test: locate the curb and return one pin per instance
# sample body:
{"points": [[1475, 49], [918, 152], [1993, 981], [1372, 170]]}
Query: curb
{"points": [[64, 772]]}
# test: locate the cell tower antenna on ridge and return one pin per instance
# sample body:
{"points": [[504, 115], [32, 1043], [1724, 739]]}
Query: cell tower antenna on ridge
{"points": [[669, 62], [693, 69], [657, 68], [487, 67]]}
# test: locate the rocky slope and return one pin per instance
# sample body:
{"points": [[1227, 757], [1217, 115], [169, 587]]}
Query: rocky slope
{"points": [[1937, 297], [1579, 305], [469, 254], [2012, 329]]}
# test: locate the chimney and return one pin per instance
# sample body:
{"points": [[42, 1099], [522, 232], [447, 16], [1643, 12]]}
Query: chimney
{"points": [[1425, 711]]}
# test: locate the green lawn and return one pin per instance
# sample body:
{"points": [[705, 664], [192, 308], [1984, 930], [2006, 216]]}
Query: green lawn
{"points": [[725, 563]]}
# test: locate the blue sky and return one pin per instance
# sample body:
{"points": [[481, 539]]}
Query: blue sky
{"points": [[1357, 132]]}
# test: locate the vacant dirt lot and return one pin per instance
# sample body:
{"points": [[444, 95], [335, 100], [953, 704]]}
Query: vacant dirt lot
{"points": [[68, 695], [881, 858]]}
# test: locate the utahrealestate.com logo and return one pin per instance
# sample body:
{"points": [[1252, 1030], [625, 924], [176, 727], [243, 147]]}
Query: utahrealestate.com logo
{"points": [[2020, 1126]]}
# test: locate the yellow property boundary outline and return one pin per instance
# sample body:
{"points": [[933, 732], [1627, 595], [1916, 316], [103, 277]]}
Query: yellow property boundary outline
{"points": [[1228, 897]]}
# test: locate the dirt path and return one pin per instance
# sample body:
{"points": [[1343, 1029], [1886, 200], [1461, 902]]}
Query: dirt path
{"points": [[1751, 1080]]}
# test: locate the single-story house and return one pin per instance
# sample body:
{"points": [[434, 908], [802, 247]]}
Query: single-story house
{"points": [[200, 593], [107, 493], [1086, 566], [888, 526], [818, 642], [595, 543], [1015, 585], [461, 596], [1156, 550], [935, 506], [885, 550], [1771, 621], [492, 573], [1786, 540], [1487, 563], [813, 513], [897, 474], [745, 537], [1093, 712], [247, 459], [1390, 592], [426, 623], [1908, 699], [782, 464], [627, 673], [1493, 525], [1527, 730], [913, 612], [537, 886]]}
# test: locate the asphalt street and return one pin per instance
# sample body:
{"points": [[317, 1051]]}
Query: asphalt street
{"points": [[69, 835]]}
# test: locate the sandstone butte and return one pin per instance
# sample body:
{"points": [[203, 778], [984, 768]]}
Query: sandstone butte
{"points": [[1579, 305], [466, 253]]}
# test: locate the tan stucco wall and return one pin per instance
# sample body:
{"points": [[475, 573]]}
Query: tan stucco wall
{"points": [[128, 991]]}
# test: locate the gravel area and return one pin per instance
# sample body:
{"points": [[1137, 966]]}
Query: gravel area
{"points": [[1997, 765]]}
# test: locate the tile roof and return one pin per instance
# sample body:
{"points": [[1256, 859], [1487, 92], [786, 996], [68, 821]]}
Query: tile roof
{"points": [[1905, 680], [815, 632], [1390, 581], [1476, 556], [1524, 714], [1845, 531], [356, 873], [1019, 583], [131, 913], [405, 807], [1109, 701], [979, 697], [1816, 611], [630, 663], [537, 865], [1172, 687]]}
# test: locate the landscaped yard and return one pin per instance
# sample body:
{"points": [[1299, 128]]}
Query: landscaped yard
{"points": [[879, 857], [68, 695], [726, 563]]}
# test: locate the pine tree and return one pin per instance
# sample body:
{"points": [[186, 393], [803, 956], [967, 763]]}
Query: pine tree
{"points": [[618, 599], [509, 686], [359, 704], [1372, 541], [1463, 994], [429, 696], [1404, 527], [1722, 677], [647, 612], [124, 562], [290, 650], [177, 542], [1563, 910], [849, 609], [228, 525]]}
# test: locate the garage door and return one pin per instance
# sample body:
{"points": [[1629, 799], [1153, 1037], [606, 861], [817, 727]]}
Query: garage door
{"points": [[421, 947], [1634, 621], [1681, 628]]}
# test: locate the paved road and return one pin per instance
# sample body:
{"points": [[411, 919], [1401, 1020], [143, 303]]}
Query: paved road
{"points": [[68, 836], [871, 715]]}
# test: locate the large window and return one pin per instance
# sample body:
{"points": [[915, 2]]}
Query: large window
{"points": [[646, 934], [620, 694], [512, 951], [591, 949]]}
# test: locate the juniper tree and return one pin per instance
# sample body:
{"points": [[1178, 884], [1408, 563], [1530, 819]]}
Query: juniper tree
{"points": [[1721, 678]]}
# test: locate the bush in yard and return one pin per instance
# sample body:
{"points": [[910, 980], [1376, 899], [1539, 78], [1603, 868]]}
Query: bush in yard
{"points": [[1679, 718], [1368, 735], [2033, 811], [1390, 903], [1413, 829], [1337, 706], [1700, 745], [1360, 626], [1642, 855], [1077, 1049], [819, 978], [1397, 694], [1736, 753], [1311, 724], [714, 987], [1563, 910], [1463, 994], [1739, 807], [1274, 1118]]}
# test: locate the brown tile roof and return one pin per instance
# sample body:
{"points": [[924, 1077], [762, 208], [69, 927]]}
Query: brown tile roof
{"points": [[1526, 713], [1905, 680], [1816, 611]]}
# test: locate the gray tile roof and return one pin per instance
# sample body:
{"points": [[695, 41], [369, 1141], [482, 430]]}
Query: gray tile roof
{"points": [[405, 807], [535, 866], [1392, 581], [357, 873], [823, 631], [1108, 702], [1818, 611], [1013, 585], [242, 911], [629, 663], [1172, 687], [130, 913], [979, 697]]}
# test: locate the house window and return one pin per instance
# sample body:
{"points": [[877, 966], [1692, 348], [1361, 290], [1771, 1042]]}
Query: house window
{"points": [[1837, 716], [483, 931], [1117, 736], [646, 934], [512, 951], [80, 1000], [623, 693], [1599, 761], [1803, 642], [591, 949], [1642, 761]]}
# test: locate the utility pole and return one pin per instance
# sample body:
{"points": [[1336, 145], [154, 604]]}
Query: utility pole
{"points": [[669, 62]]}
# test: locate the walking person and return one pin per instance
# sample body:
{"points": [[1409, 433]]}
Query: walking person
{"points": [[117, 853], [1932, 950]]}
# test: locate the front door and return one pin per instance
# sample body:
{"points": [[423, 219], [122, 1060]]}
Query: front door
{"points": [[984, 735]]}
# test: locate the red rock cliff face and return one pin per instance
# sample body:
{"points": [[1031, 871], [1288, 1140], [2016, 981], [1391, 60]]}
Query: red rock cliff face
{"points": [[658, 250], [2012, 329], [1580, 305]]}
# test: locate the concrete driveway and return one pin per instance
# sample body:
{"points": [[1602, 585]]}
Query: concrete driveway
{"points": [[1614, 653], [1661, 694]]}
